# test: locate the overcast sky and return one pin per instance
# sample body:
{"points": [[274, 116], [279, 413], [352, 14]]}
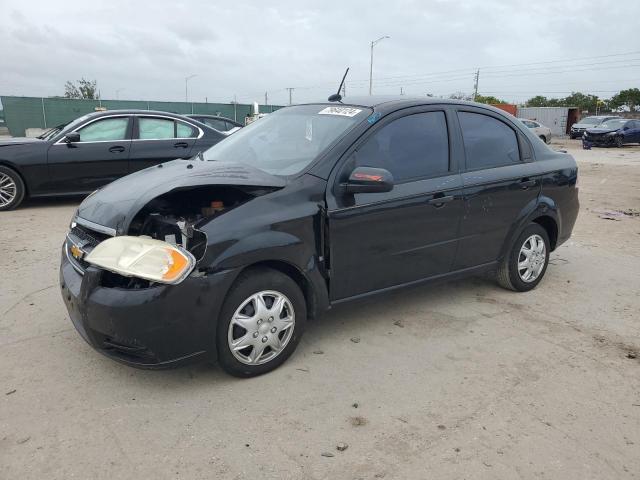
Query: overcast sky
{"points": [[146, 49]]}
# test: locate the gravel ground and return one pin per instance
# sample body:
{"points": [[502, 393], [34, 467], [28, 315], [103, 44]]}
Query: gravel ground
{"points": [[461, 380]]}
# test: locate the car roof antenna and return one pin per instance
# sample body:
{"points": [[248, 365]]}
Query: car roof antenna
{"points": [[336, 97]]}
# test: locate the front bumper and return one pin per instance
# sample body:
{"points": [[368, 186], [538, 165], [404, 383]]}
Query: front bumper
{"points": [[156, 327], [577, 133], [600, 140]]}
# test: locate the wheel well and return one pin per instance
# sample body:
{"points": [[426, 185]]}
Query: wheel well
{"points": [[543, 138], [5, 164], [297, 276], [550, 225]]}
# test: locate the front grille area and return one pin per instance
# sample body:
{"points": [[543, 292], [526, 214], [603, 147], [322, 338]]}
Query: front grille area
{"points": [[85, 239]]}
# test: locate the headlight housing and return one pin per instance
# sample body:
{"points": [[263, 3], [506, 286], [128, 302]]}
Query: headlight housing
{"points": [[143, 257]]}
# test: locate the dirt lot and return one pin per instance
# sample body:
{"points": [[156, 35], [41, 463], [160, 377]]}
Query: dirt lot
{"points": [[462, 380]]}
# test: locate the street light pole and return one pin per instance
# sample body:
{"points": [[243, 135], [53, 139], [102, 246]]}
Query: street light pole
{"points": [[373, 44], [186, 87]]}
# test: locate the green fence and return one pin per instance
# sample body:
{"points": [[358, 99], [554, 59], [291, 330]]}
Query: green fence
{"points": [[32, 112]]}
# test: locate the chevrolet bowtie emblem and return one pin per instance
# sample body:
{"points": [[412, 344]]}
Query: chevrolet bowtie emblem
{"points": [[77, 252]]}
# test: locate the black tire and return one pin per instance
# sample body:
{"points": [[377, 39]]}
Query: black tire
{"points": [[250, 282], [619, 142], [19, 188], [508, 275]]}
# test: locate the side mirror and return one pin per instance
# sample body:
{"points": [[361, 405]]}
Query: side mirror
{"points": [[369, 180], [72, 137]]}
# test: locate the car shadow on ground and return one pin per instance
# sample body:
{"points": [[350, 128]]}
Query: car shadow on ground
{"points": [[338, 324]]}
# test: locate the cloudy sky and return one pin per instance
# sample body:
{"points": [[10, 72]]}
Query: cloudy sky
{"points": [[144, 50]]}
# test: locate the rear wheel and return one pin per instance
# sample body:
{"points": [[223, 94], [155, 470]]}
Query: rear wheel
{"points": [[525, 265], [261, 323], [11, 189]]}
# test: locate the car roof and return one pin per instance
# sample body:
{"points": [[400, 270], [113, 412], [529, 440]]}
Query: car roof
{"points": [[388, 103], [206, 115], [134, 112]]}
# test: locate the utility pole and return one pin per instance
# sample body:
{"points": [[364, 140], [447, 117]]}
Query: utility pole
{"points": [[235, 108], [475, 86], [266, 98], [186, 87], [401, 91], [373, 44], [291, 89]]}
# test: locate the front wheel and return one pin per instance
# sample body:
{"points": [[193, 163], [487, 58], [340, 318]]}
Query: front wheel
{"points": [[525, 265], [261, 322], [11, 189], [619, 142]]}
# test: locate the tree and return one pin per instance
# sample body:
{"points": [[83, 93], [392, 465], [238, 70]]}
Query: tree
{"points": [[629, 97], [85, 89], [489, 99], [459, 96]]}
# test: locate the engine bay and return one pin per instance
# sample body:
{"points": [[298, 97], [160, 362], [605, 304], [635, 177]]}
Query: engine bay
{"points": [[174, 217]]}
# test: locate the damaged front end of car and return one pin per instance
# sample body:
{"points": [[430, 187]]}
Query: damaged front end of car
{"points": [[131, 273]]}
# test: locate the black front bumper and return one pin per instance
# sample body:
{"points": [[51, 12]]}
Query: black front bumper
{"points": [[156, 327]]}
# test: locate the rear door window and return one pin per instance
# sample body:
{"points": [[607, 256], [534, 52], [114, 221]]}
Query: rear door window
{"points": [[155, 128], [488, 142]]}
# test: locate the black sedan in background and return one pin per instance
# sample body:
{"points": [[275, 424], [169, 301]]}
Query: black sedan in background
{"points": [[94, 150], [222, 124]]}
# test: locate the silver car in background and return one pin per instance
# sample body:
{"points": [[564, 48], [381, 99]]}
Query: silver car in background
{"points": [[542, 132]]}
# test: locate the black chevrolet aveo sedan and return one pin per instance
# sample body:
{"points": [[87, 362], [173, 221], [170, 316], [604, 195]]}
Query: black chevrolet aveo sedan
{"points": [[226, 256], [94, 150]]}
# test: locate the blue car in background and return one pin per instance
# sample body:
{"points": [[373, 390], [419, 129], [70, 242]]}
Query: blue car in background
{"points": [[613, 133]]}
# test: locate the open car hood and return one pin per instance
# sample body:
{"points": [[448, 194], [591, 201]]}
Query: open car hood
{"points": [[115, 205]]}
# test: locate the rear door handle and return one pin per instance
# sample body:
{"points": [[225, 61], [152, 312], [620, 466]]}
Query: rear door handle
{"points": [[439, 200], [527, 183], [180, 145], [117, 149]]}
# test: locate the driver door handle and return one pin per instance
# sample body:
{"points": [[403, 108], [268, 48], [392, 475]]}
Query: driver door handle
{"points": [[526, 183], [180, 145], [439, 200], [117, 149]]}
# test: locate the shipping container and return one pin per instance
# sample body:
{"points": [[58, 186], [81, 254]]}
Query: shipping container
{"points": [[558, 119]]}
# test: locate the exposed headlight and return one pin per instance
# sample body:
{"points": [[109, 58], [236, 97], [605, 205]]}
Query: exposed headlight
{"points": [[143, 257]]}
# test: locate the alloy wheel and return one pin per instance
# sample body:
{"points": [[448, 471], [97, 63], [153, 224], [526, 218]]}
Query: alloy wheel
{"points": [[532, 258], [261, 327], [8, 190]]}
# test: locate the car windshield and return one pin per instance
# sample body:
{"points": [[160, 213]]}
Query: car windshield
{"points": [[591, 120], [613, 124], [288, 140]]}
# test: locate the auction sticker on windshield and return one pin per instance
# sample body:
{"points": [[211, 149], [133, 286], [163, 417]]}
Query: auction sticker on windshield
{"points": [[342, 111]]}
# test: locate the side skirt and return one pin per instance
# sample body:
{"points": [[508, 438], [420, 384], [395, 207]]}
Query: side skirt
{"points": [[445, 277]]}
